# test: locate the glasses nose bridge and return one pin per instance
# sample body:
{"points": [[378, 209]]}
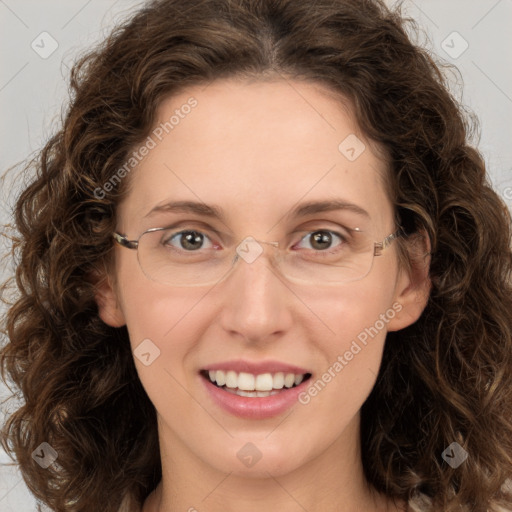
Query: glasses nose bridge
{"points": [[273, 244], [250, 249]]}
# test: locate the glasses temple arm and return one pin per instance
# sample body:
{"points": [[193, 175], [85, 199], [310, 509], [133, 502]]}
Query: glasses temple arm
{"points": [[381, 246], [124, 242]]}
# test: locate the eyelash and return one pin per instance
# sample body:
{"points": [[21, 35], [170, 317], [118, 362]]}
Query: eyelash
{"points": [[342, 238]]}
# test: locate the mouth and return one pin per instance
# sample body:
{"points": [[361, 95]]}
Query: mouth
{"points": [[254, 385]]}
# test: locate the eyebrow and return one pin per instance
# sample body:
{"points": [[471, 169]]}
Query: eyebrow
{"points": [[214, 211]]}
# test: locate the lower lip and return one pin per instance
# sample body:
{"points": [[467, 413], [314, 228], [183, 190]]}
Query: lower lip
{"points": [[257, 407]]}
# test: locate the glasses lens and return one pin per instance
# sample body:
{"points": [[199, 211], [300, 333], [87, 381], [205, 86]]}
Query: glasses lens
{"points": [[179, 258], [182, 258], [330, 258]]}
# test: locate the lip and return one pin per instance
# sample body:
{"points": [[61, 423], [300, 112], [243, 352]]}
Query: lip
{"points": [[255, 408], [256, 367]]}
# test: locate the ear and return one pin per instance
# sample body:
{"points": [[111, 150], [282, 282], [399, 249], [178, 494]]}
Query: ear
{"points": [[105, 295], [413, 285]]}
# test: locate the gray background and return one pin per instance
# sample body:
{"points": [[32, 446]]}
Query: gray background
{"points": [[33, 90]]}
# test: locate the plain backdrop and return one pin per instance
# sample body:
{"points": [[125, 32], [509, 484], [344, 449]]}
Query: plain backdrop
{"points": [[39, 42]]}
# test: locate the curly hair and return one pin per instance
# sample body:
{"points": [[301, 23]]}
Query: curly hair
{"points": [[446, 378]]}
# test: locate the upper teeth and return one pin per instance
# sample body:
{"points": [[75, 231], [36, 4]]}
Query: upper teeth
{"points": [[250, 382]]}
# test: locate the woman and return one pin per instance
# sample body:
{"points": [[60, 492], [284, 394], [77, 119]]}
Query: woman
{"points": [[261, 267]]}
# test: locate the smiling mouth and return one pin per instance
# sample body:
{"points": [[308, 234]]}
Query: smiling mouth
{"points": [[251, 385]]}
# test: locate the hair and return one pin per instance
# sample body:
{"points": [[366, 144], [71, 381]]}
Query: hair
{"points": [[446, 378]]}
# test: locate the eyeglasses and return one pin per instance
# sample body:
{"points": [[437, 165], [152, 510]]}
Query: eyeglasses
{"points": [[176, 257]]}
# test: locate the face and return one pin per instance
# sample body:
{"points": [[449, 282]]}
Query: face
{"points": [[257, 150]]}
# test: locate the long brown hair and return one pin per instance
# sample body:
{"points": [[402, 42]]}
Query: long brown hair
{"points": [[446, 378]]}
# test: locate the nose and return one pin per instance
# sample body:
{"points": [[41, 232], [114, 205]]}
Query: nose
{"points": [[256, 300]]}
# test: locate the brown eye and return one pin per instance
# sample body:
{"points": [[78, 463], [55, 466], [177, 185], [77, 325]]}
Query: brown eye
{"points": [[188, 240], [321, 240]]}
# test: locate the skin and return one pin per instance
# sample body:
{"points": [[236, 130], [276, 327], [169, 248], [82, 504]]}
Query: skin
{"points": [[256, 149]]}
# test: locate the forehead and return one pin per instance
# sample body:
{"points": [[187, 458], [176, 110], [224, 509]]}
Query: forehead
{"points": [[258, 149]]}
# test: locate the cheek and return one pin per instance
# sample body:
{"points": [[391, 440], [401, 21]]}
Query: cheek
{"points": [[163, 334], [151, 310], [161, 327], [352, 351], [349, 311]]}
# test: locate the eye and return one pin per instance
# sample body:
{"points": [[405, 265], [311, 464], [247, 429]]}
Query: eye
{"points": [[188, 240], [322, 239]]}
